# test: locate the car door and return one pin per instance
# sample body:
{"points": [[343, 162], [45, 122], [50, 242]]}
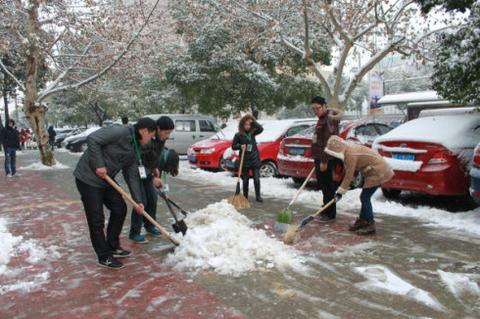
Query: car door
{"points": [[205, 129], [184, 135]]}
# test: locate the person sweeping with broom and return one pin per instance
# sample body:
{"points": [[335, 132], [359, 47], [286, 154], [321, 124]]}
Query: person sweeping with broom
{"points": [[244, 140], [359, 159]]}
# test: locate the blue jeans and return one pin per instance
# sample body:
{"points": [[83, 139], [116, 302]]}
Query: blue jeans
{"points": [[366, 199], [10, 160], [149, 200]]}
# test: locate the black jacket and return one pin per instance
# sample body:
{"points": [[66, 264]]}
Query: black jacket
{"points": [[252, 156], [110, 147], [9, 138]]}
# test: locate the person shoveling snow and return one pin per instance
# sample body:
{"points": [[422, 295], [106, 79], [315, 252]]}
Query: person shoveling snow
{"points": [[221, 239]]}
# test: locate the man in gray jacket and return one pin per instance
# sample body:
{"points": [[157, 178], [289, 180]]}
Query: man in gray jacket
{"points": [[111, 150]]}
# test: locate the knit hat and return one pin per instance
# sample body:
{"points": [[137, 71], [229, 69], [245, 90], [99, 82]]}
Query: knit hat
{"points": [[165, 123]]}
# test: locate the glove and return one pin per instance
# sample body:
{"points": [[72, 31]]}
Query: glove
{"points": [[338, 197]]}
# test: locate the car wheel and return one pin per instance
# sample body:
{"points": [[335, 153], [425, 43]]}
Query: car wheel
{"points": [[391, 193], [268, 169], [298, 180], [221, 163]]}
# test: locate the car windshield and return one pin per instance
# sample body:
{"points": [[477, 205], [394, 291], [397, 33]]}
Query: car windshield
{"points": [[226, 133]]}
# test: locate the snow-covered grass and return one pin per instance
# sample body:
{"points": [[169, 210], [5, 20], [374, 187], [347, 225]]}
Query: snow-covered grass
{"points": [[382, 280], [222, 239], [40, 167], [468, 221]]}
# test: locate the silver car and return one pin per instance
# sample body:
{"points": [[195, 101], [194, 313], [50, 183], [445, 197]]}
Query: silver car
{"points": [[188, 130]]}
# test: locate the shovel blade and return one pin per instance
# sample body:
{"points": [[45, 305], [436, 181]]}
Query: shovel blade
{"points": [[180, 227]]}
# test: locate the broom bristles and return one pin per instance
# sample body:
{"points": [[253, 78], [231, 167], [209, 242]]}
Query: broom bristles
{"points": [[239, 201], [291, 234]]}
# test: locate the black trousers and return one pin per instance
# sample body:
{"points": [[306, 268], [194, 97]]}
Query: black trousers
{"points": [[93, 199], [246, 178], [149, 199], [327, 185]]}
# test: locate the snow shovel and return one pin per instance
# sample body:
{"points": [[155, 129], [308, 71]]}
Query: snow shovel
{"points": [[127, 197], [238, 200], [179, 226], [293, 231], [286, 215], [184, 212]]}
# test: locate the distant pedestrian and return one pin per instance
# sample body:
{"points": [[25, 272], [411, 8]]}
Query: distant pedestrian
{"points": [[373, 169], [11, 142], [248, 129], [327, 125], [51, 137], [124, 120]]}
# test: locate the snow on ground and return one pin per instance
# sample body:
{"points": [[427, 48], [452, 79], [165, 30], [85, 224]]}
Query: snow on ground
{"points": [[221, 239], [12, 246], [460, 284], [468, 221], [380, 279], [40, 167]]}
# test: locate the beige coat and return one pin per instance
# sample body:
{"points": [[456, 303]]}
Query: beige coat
{"points": [[359, 158]]}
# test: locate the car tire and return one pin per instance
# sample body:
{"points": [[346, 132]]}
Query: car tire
{"points": [[391, 193], [221, 163], [268, 169], [298, 180]]}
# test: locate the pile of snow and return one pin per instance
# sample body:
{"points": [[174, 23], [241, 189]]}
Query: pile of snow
{"points": [[452, 131], [40, 167], [382, 280], [403, 165], [221, 239], [7, 244], [460, 284]]}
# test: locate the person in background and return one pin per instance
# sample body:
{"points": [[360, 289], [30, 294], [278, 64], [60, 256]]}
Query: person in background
{"points": [[327, 125], [124, 120], [110, 150], [152, 153], [51, 136], [374, 171], [248, 128], [11, 143]]}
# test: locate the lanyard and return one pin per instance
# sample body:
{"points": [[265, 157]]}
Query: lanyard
{"points": [[249, 136], [136, 150]]}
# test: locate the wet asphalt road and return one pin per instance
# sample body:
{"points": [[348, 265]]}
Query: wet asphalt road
{"points": [[333, 287]]}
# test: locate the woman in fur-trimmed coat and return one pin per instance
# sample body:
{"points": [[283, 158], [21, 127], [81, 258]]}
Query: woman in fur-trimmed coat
{"points": [[374, 169]]}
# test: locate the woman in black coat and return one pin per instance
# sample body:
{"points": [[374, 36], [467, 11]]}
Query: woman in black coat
{"points": [[248, 128]]}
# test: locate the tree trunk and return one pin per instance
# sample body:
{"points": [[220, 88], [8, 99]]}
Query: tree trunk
{"points": [[5, 102], [34, 111]]}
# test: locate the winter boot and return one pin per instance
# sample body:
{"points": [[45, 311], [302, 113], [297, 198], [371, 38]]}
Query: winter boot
{"points": [[120, 253], [110, 262], [152, 230], [139, 239], [258, 195], [369, 229], [359, 223]]}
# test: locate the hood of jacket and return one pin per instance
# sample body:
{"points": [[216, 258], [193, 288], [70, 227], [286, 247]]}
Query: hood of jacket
{"points": [[336, 147]]}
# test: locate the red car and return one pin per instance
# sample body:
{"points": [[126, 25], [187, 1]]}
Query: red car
{"points": [[208, 154], [268, 144], [295, 155], [431, 154]]}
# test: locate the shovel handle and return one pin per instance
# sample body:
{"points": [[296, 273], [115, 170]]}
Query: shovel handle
{"points": [[241, 165], [127, 197], [301, 187], [324, 207]]}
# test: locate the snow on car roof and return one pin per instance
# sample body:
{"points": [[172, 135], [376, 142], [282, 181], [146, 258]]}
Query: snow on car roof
{"points": [[272, 130], [451, 131], [424, 96]]}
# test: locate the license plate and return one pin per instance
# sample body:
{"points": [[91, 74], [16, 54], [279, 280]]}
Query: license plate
{"points": [[403, 156], [192, 159], [296, 151]]}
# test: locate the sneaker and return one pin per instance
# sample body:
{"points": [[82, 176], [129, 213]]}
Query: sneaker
{"points": [[259, 199], [121, 253], [139, 239], [369, 229], [9, 175], [152, 230], [326, 219], [110, 262], [359, 223]]}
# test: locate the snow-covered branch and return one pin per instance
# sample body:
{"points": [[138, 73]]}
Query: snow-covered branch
{"points": [[10, 74]]}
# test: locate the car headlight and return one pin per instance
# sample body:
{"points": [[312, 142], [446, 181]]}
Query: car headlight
{"points": [[207, 151]]}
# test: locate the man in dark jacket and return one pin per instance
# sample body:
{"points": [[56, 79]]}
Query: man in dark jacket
{"points": [[110, 150], [152, 151], [326, 126], [11, 142], [51, 137]]}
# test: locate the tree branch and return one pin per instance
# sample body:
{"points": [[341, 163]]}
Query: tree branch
{"points": [[10, 74]]}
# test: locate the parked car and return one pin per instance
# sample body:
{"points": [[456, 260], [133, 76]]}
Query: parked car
{"points": [[78, 142], [295, 154], [431, 154], [269, 144], [475, 175], [208, 154], [189, 129], [62, 134]]}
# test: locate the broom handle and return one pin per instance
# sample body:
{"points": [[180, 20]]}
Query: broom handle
{"points": [[127, 196], [301, 187], [324, 207], [241, 165]]}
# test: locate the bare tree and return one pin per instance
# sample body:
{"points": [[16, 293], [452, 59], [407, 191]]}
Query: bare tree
{"points": [[77, 41]]}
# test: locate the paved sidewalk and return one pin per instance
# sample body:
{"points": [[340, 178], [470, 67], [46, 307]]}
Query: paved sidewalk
{"points": [[67, 283]]}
